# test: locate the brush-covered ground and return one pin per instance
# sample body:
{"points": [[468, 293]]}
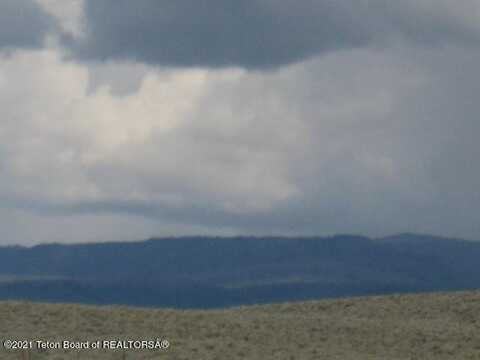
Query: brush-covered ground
{"points": [[430, 326]]}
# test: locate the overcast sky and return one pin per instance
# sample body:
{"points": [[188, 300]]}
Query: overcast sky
{"points": [[122, 119]]}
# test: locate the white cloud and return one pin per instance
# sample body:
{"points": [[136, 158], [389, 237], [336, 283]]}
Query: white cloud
{"points": [[64, 139]]}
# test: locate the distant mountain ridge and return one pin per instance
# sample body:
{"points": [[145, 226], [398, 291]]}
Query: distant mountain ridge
{"points": [[205, 272]]}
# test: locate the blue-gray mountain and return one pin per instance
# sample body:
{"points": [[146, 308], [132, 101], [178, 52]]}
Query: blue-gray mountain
{"points": [[205, 272]]}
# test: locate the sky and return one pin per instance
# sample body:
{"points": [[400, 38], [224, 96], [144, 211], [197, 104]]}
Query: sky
{"points": [[122, 120]]}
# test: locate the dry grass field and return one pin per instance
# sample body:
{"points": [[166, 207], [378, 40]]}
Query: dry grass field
{"points": [[430, 326]]}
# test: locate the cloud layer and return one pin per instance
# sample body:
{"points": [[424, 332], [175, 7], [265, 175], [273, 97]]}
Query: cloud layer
{"points": [[371, 129]]}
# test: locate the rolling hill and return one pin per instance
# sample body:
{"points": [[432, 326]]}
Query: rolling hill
{"points": [[207, 272]]}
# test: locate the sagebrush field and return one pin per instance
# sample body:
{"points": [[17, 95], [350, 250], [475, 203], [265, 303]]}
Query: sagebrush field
{"points": [[430, 326]]}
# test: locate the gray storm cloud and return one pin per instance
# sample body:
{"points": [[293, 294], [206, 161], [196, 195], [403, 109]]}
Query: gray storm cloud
{"points": [[23, 24], [263, 33], [217, 32]]}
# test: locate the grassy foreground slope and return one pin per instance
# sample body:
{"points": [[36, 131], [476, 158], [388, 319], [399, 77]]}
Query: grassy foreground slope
{"points": [[430, 326]]}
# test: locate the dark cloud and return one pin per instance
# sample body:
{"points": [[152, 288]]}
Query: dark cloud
{"points": [[262, 33], [252, 33], [23, 23]]}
